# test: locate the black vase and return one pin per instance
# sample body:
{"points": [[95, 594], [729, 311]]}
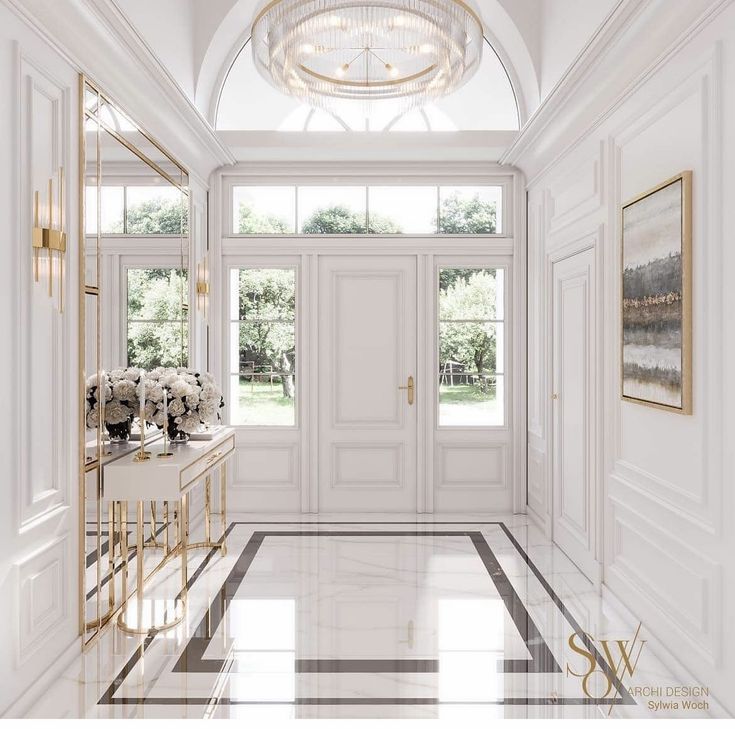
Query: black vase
{"points": [[174, 434], [119, 432]]}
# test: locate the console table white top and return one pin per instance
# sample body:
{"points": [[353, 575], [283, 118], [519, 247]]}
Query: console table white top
{"points": [[165, 479]]}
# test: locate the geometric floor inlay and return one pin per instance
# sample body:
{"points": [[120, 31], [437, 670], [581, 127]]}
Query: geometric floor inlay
{"points": [[342, 614]]}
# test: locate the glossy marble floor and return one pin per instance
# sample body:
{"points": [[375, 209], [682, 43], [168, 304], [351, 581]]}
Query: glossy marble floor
{"points": [[394, 617]]}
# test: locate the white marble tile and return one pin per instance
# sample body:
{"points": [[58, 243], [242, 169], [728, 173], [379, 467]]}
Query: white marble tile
{"points": [[354, 624]]}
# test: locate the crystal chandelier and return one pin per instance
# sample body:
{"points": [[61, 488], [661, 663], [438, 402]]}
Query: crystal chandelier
{"points": [[331, 52]]}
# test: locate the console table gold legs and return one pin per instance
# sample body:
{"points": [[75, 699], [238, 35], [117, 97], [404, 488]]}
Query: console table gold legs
{"points": [[221, 543], [173, 611], [134, 617]]}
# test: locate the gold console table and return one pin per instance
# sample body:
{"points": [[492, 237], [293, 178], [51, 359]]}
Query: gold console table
{"points": [[169, 480]]}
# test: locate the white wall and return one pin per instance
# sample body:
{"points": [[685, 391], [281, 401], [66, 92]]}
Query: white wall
{"points": [[168, 27], [666, 479], [566, 26], [39, 609]]}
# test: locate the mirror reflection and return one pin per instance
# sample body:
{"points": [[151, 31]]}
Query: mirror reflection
{"points": [[136, 315]]}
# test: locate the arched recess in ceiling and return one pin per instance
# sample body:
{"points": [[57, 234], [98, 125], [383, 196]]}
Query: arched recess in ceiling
{"points": [[507, 49]]}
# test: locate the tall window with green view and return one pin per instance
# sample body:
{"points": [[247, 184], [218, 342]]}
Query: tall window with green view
{"points": [[157, 325], [263, 346], [471, 347]]}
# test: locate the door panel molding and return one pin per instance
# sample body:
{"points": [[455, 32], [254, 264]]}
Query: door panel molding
{"points": [[367, 345], [574, 463]]}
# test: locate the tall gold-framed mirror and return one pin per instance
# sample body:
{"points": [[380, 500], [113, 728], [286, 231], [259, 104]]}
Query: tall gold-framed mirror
{"points": [[133, 314]]}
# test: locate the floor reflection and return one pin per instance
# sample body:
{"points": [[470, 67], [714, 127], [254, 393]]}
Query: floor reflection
{"points": [[356, 620]]}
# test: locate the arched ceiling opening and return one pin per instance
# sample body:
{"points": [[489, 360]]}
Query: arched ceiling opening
{"points": [[233, 95], [248, 102]]}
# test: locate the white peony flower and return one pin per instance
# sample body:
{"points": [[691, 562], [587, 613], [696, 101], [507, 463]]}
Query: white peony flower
{"points": [[192, 400], [209, 392], [190, 423], [168, 378], [93, 417], [154, 392], [176, 407], [208, 412], [124, 390], [116, 412], [180, 388]]}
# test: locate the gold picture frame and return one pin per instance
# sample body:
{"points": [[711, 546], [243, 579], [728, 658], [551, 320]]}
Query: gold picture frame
{"points": [[656, 296]]}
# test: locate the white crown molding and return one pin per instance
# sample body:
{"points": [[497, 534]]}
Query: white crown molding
{"points": [[361, 170], [96, 38], [439, 147], [578, 103]]}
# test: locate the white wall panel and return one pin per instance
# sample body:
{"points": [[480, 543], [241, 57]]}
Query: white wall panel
{"points": [[668, 505], [266, 465], [43, 591], [471, 465], [38, 362]]}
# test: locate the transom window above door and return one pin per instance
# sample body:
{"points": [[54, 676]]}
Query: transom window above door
{"points": [[263, 346], [137, 210], [471, 347], [367, 210]]}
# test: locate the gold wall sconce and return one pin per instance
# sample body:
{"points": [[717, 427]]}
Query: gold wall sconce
{"points": [[202, 287], [48, 241]]}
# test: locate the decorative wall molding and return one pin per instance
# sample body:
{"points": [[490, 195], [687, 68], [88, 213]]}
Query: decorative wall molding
{"points": [[346, 475], [677, 583], [43, 592], [116, 57], [666, 524], [580, 192], [266, 465], [575, 107], [697, 83], [43, 104], [664, 493], [489, 459]]}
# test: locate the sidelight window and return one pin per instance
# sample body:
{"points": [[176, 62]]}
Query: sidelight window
{"points": [[263, 346], [471, 347]]}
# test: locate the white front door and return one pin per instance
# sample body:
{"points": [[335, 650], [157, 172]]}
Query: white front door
{"points": [[573, 402], [367, 353]]}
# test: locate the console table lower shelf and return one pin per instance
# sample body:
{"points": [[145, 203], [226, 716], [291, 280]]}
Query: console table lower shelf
{"points": [[169, 480]]}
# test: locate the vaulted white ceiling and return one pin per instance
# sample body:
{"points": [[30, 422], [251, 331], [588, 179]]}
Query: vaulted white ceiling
{"points": [[197, 40]]}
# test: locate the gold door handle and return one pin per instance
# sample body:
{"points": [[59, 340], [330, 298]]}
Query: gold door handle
{"points": [[554, 397], [409, 386]]}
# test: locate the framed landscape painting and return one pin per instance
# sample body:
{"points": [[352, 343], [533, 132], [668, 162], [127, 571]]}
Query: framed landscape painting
{"points": [[656, 296]]}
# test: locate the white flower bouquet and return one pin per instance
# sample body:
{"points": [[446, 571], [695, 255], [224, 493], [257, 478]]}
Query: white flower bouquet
{"points": [[115, 399], [182, 400]]}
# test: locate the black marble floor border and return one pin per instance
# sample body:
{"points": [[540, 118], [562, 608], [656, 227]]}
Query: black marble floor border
{"points": [[542, 659], [193, 660]]}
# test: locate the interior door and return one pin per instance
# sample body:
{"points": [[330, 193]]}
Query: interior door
{"points": [[367, 354], [573, 479]]}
